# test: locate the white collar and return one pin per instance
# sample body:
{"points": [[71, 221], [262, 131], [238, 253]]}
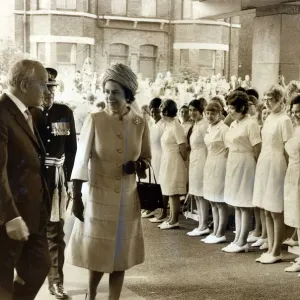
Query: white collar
{"points": [[21, 106]]}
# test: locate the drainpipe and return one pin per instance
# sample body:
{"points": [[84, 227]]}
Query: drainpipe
{"points": [[171, 36], [229, 50], [25, 27]]}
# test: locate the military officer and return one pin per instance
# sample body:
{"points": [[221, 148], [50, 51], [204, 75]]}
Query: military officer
{"points": [[56, 126]]}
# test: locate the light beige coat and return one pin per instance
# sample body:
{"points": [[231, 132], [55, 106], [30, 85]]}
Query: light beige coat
{"points": [[110, 238]]}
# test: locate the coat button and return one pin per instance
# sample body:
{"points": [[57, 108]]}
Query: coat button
{"points": [[48, 127], [48, 141], [119, 165], [118, 178], [120, 150], [47, 167], [117, 190]]}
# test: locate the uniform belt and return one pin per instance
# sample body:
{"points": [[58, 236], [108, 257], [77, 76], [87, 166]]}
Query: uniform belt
{"points": [[54, 161]]}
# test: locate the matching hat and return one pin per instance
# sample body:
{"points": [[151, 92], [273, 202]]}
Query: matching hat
{"points": [[52, 74]]}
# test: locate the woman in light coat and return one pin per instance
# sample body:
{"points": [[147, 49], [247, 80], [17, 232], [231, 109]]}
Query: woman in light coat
{"points": [[114, 146]]}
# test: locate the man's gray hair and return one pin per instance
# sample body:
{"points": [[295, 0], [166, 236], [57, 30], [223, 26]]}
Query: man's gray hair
{"points": [[22, 70]]}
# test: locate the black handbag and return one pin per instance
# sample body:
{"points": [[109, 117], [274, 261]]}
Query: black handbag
{"points": [[150, 193]]}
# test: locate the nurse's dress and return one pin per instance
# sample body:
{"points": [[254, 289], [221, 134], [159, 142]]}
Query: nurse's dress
{"points": [[156, 133], [173, 172], [271, 165], [197, 158], [292, 182], [240, 169], [215, 165]]}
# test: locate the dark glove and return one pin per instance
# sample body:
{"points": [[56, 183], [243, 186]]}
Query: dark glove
{"points": [[130, 167], [78, 207]]}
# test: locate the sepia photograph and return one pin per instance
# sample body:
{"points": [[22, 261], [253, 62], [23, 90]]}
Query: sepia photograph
{"points": [[149, 149]]}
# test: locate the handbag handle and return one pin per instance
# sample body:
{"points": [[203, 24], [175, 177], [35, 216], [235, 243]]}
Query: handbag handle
{"points": [[149, 175]]}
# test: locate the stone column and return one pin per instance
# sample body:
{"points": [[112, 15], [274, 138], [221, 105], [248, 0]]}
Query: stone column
{"points": [[275, 48]]}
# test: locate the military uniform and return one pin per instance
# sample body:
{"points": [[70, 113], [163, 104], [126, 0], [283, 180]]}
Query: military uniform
{"points": [[56, 127]]}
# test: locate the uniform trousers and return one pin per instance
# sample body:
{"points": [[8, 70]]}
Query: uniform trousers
{"points": [[55, 235]]}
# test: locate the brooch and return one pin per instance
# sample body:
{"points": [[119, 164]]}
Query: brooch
{"points": [[136, 120]]}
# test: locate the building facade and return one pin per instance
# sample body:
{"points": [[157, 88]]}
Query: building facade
{"points": [[150, 36]]}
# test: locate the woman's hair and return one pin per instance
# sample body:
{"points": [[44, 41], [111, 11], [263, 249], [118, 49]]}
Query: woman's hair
{"points": [[184, 106], [276, 92], [296, 100], [199, 104], [252, 92], [253, 99], [214, 106], [218, 99], [170, 108], [128, 94], [240, 101], [155, 103]]}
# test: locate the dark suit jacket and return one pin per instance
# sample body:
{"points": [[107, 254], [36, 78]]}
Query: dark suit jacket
{"points": [[23, 191]]}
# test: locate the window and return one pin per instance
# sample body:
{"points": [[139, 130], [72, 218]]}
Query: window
{"points": [[118, 53], [187, 9], [207, 59], [43, 4], [149, 8], [66, 4], [41, 52], [66, 53], [118, 7], [147, 66], [184, 57]]}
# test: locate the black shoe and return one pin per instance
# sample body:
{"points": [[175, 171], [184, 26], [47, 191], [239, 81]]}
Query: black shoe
{"points": [[58, 291]]}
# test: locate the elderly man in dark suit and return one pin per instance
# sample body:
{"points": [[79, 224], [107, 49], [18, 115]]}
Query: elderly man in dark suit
{"points": [[24, 200], [56, 126]]}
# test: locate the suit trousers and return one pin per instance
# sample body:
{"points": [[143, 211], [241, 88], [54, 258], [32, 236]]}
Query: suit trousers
{"points": [[57, 245], [31, 261]]}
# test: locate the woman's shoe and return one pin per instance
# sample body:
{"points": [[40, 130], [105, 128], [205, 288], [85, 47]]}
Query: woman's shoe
{"points": [[215, 240], [290, 242], [295, 267], [259, 258], [264, 246], [169, 226], [156, 220], [227, 247], [234, 248], [147, 214], [164, 222], [194, 232], [203, 232], [259, 242], [207, 237], [251, 238], [270, 259]]}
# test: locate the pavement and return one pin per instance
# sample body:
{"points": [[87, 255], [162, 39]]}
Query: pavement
{"points": [[181, 267]]}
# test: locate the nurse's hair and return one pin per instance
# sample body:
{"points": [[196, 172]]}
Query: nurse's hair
{"points": [[240, 101], [276, 91], [214, 106], [296, 100]]}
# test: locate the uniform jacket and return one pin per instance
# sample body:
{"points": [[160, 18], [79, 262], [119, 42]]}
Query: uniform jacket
{"points": [[23, 190], [57, 130]]}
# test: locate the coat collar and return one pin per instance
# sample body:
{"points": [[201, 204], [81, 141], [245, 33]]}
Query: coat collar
{"points": [[19, 117]]}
